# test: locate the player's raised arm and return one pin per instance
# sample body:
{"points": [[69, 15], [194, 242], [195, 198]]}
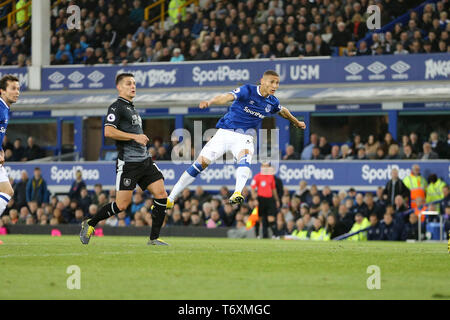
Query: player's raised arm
{"points": [[285, 113], [221, 99]]}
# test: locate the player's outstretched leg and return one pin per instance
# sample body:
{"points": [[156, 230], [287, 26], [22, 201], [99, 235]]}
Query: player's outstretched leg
{"points": [[88, 226], [243, 172], [185, 180]]}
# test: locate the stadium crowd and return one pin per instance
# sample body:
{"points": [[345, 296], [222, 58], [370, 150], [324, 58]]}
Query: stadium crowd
{"points": [[116, 32], [411, 147], [15, 152], [307, 213]]}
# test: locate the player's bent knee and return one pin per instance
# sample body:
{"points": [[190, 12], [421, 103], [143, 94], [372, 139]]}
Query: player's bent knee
{"points": [[122, 205], [161, 194], [203, 161]]}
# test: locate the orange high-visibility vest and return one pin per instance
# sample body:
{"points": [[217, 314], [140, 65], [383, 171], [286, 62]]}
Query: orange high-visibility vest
{"points": [[417, 211], [417, 186], [252, 219]]}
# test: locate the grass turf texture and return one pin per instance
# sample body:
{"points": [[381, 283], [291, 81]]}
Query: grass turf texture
{"points": [[34, 267]]}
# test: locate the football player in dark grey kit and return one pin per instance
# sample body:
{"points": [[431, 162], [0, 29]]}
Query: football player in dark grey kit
{"points": [[134, 163]]}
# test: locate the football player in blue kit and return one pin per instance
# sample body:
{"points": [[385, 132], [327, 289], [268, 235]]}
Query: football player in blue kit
{"points": [[251, 104], [9, 94]]}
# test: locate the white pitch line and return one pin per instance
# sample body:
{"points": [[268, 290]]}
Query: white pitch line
{"points": [[61, 254]]}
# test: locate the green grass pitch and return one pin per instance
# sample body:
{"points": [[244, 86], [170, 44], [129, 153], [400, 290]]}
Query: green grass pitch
{"points": [[35, 267]]}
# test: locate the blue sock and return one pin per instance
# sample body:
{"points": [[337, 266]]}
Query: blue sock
{"points": [[195, 169]]}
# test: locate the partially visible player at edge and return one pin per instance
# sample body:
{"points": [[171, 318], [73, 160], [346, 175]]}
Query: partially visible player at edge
{"points": [[134, 163], [251, 105], [9, 94]]}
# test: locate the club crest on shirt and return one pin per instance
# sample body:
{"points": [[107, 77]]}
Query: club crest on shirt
{"points": [[136, 120], [268, 108]]}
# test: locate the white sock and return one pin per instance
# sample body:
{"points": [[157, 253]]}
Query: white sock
{"points": [[4, 199], [185, 180], [242, 175]]}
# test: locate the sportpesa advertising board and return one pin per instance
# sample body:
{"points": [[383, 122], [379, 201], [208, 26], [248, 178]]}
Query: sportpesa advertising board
{"points": [[413, 67], [364, 175]]}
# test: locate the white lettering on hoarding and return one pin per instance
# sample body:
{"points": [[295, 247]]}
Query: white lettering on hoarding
{"points": [[437, 68], [308, 171], [153, 77], [382, 174], [222, 73], [69, 175]]}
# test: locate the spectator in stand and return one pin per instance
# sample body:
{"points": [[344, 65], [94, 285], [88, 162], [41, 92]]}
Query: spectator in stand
{"points": [[325, 147], [380, 154], [393, 152], [438, 146], [361, 223], [371, 147], [361, 154], [408, 153], [18, 151], [291, 154], [415, 143], [374, 232], [37, 188], [346, 152], [399, 207], [20, 190], [316, 155], [334, 155], [357, 144], [388, 140], [334, 227], [428, 152], [303, 192], [177, 55], [411, 229], [340, 36], [394, 187], [360, 206], [77, 185], [85, 200], [435, 190], [32, 151], [307, 151], [214, 221], [390, 229]]}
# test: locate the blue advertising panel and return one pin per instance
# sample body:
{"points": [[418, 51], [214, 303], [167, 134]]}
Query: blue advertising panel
{"points": [[21, 73], [418, 67], [365, 175]]}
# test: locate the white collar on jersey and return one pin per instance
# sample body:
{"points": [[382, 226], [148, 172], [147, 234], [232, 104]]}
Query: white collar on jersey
{"points": [[4, 103], [259, 92]]}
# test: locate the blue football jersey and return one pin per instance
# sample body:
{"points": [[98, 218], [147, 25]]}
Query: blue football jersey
{"points": [[4, 118], [248, 109]]}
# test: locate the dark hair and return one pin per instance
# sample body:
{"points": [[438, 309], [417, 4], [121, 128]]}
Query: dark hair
{"points": [[120, 76], [432, 178], [4, 80], [271, 73]]}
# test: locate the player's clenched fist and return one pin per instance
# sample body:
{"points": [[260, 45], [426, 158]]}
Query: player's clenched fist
{"points": [[141, 139], [300, 124], [204, 105]]}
